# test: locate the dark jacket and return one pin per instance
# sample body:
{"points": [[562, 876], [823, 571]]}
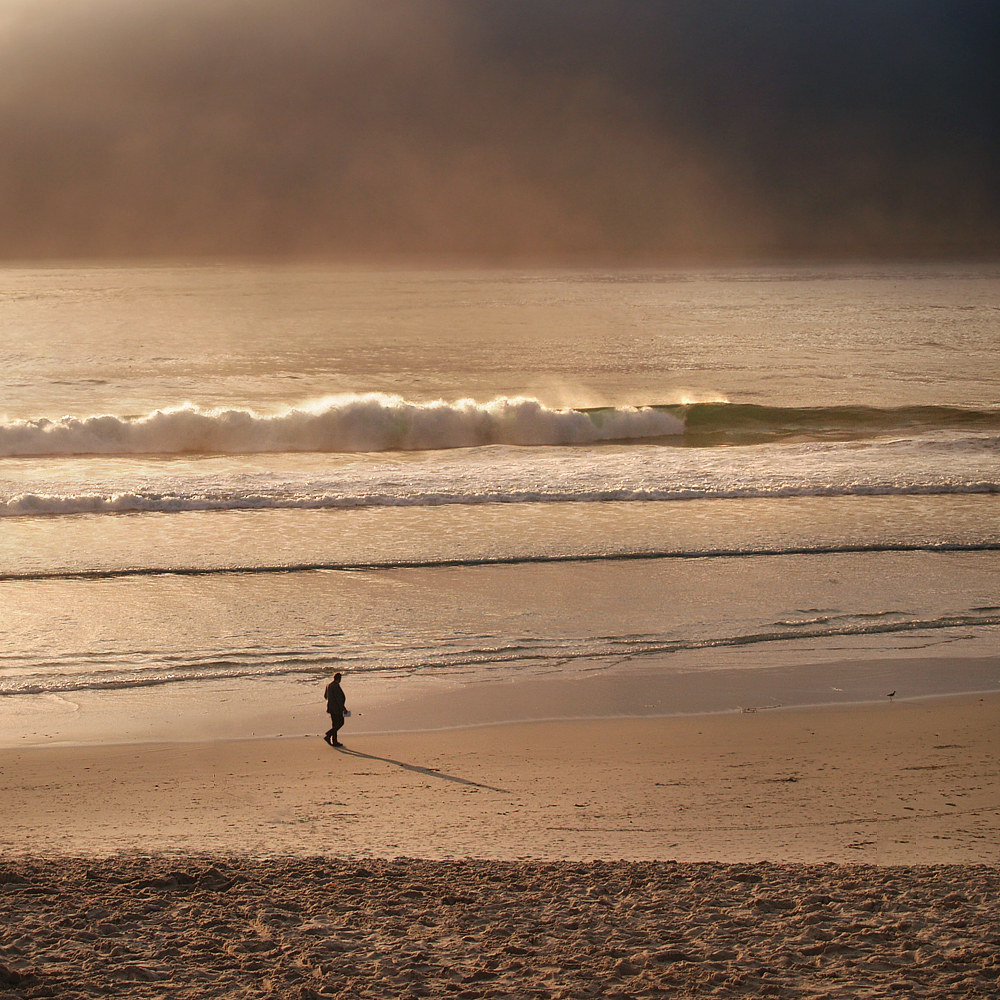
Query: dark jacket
{"points": [[335, 698]]}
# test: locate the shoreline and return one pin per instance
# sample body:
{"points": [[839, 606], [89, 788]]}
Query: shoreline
{"points": [[386, 703]]}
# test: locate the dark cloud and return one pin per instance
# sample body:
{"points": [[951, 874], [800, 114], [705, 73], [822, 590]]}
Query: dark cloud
{"points": [[499, 129]]}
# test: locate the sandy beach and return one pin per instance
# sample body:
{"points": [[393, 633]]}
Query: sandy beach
{"points": [[318, 927], [837, 851], [893, 783]]}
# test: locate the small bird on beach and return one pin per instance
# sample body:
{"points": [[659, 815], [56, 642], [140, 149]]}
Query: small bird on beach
{"points": [[891, 695]]}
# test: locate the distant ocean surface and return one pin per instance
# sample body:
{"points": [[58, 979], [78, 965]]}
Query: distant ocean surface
{"points": [[248, 472]]}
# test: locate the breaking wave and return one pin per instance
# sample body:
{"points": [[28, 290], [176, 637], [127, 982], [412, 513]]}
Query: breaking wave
{"points": [[352, 423], [375, 422]]}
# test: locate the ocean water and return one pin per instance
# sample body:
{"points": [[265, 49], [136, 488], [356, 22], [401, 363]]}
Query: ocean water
{"points": [[243, 476]]}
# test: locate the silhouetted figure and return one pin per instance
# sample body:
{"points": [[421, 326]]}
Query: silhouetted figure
{"points": [[335, 704]]}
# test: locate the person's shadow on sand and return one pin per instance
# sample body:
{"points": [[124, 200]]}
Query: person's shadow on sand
{"points": [[431, 772]]}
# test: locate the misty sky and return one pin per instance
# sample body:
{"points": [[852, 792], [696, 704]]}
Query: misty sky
{"points": [[499, 130]]}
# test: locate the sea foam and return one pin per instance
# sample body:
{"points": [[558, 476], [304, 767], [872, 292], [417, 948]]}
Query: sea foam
{"points": [[347, 423]]}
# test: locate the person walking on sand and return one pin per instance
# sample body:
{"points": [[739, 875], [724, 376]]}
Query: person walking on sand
{"points": [[335, 705]]}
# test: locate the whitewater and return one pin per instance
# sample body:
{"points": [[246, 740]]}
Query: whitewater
{"points": [[367, 422], [380, 422], [502, 451]]}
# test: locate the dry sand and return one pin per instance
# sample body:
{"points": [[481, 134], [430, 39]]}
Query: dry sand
{"points": [[831, 852], [319, 927]]}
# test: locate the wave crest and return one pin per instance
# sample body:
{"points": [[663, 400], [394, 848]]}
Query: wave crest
{"points": [[367, 422], [377, 422]]}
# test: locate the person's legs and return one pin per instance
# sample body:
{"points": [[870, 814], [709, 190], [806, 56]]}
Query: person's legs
{"points": [[331, 734]]}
